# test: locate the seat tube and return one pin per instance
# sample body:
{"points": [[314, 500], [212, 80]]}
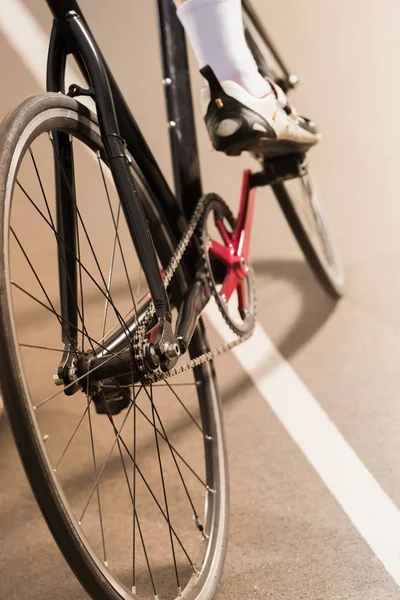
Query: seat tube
{"points": [[176, 80]]}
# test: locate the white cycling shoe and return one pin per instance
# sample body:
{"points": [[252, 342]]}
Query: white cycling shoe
{"points": [[237, 121]]}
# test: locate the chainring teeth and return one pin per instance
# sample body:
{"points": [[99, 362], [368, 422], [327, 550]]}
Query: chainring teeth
{"points": [[222, 306]]}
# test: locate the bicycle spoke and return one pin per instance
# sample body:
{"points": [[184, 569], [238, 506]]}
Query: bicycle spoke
{"points": [[77, 380], [151, 493], [60, 319], [73, 435], [138, 285], [117, 434], [108, 413], [105, 463], [183, 406], [171, 446], [76, 352], [116, 233], [80, 314], [172, 385], [35, 347], [175, 450], [146, 558], [109, 332], [78, 245], [164, 492], [134, 489], [110, 274], [196, 517], [95, 474], [128, 314], [123, 326]]}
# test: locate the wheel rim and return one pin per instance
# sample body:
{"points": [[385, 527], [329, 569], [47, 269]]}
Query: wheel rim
{"points": [[155, 415]]}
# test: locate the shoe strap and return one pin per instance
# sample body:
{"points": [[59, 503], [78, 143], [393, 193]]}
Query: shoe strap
{"points": [[216, 88]]}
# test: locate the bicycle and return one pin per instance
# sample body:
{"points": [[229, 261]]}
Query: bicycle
{"points": [[110, 343]]}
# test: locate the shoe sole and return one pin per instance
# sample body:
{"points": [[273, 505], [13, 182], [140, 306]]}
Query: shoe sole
{"points": [[268, 148]]}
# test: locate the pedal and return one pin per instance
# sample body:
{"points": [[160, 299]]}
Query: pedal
{"points": [[279, 170]]}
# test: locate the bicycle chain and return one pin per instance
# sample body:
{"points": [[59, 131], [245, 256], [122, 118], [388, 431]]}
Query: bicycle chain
{"points": [[140, 337]]}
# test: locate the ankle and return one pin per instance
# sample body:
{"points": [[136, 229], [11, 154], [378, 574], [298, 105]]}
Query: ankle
{"points": [[254, 84]]}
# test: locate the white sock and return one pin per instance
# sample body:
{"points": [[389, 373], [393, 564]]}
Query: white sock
{"points": [[216, 33]]}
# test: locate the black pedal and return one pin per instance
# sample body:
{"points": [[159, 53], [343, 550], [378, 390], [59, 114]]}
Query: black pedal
{"points": [[279, 169]]}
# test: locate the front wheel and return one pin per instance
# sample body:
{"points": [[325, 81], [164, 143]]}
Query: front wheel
{"points": [[299, 199], [131, 477], [305, 213]]}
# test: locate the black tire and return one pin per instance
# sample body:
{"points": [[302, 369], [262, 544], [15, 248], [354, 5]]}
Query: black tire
{"points": [[55, 112], [315, 240]]}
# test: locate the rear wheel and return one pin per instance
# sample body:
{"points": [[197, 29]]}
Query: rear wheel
{"points": [[135, 498]]}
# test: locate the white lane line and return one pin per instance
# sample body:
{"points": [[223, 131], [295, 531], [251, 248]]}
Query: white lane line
{"points": [[368, 507], [366, 504]]}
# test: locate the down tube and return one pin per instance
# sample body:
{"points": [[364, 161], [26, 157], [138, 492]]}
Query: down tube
{"points": [[185, 158]]}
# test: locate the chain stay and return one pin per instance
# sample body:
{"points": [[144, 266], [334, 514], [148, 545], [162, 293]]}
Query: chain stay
{"points": [[169, 273]]}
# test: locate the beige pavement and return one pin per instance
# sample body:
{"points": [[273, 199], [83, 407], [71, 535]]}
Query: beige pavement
{"points": [[289, 538]]}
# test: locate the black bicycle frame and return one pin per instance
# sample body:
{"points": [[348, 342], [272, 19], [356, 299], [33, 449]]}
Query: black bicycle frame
{"points": [[71, 35]]}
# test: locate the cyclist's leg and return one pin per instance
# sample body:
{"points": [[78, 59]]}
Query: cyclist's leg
{"points": [[242, 110], [216, 33]]}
